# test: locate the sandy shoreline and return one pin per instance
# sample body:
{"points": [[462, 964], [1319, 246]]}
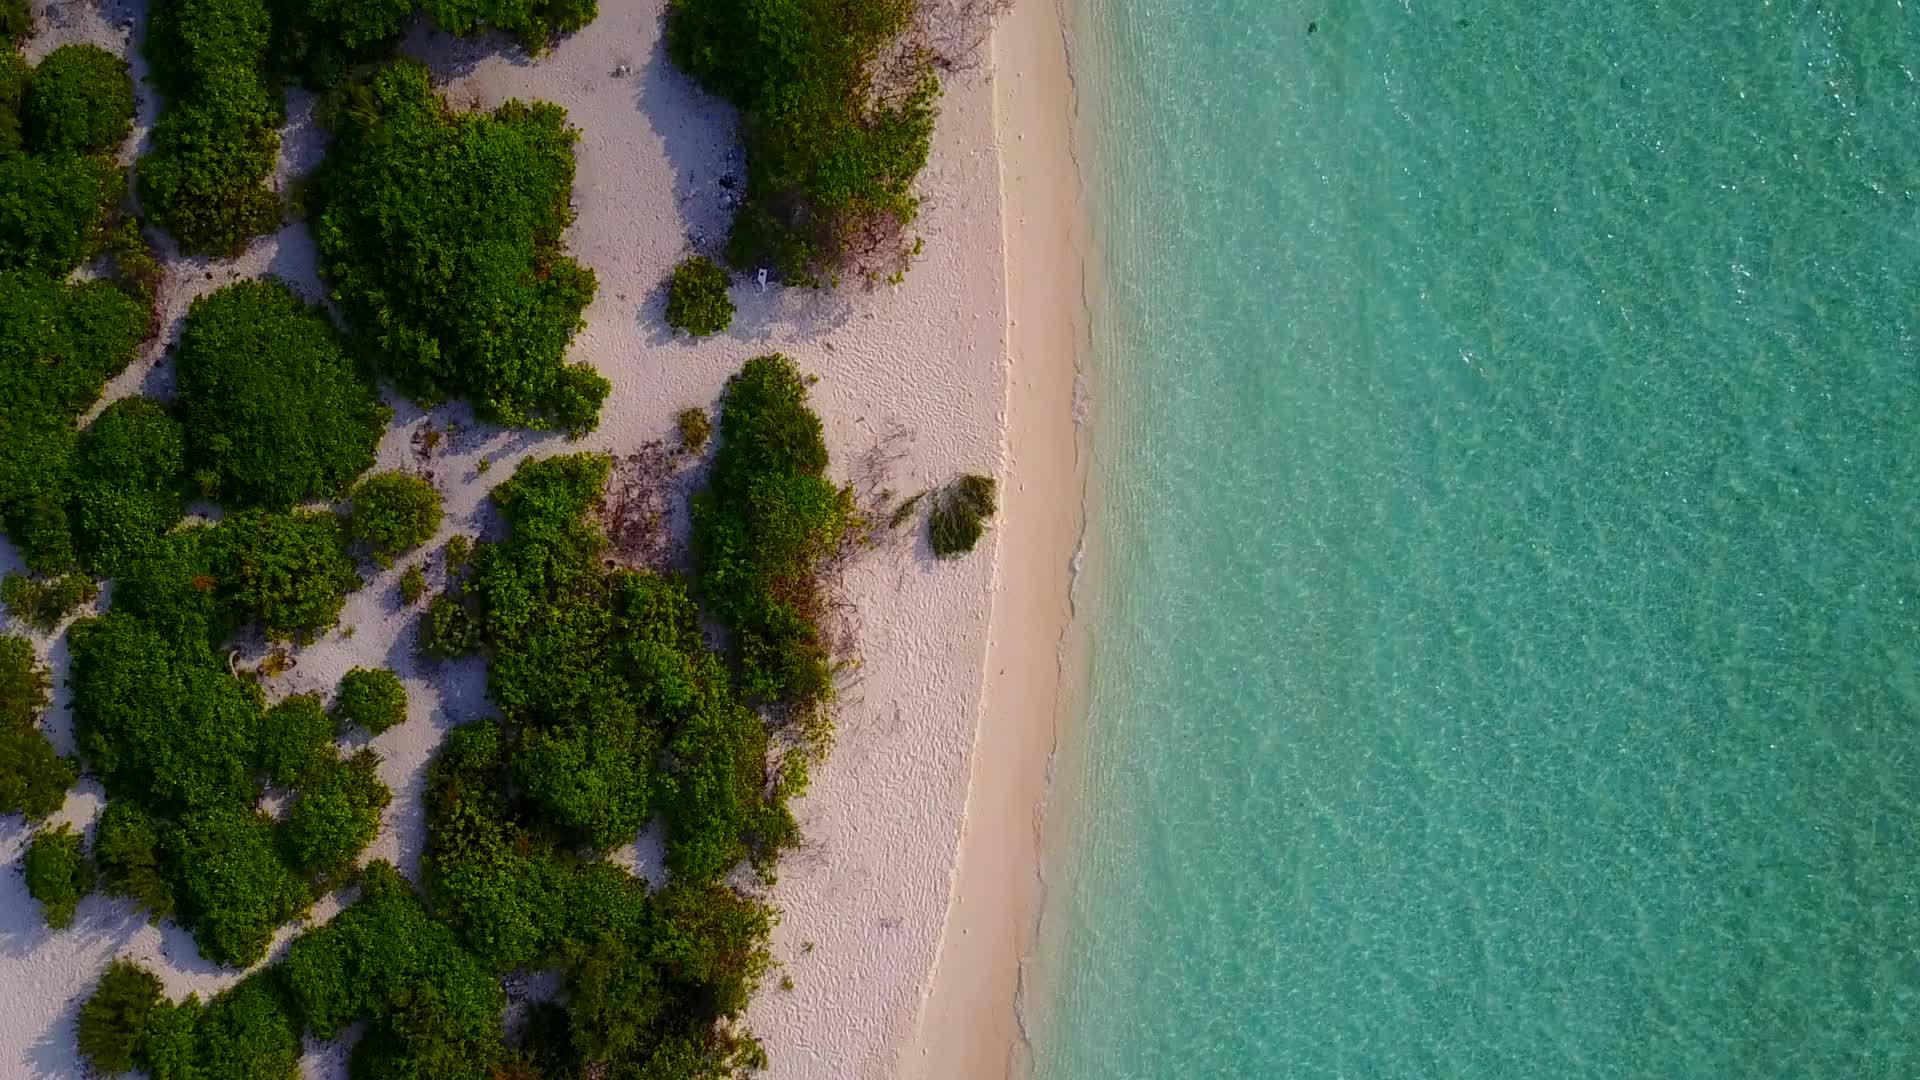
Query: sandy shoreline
{"points": [[865, 900], [972, 1025]]}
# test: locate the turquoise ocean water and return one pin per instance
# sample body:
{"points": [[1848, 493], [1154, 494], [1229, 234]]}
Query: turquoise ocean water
{"points": [[1506, 656]]}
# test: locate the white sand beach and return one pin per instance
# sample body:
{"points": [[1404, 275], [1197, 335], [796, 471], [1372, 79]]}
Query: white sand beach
{"points": [[917, 374]]}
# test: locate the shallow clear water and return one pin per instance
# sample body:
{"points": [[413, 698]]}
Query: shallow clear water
{"points": [[1507, 656]]}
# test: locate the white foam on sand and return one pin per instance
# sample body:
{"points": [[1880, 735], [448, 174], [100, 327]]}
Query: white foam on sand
{"points": [[865, 898]]}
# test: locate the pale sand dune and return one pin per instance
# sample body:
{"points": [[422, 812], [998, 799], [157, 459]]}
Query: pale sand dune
{"points": [[865, 900]]}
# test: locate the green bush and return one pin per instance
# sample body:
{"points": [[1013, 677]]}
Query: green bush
{"points": [[295, 736], [448, 630], [42, 604], [695, 429], [127, 845], [34, 778], [960, 513], [394, 512], [159, 724], [834, 138], [245, 1033], [80, 102], [14, 76], [23, 683], [53, 210], [531, 22], [113, 1021], [697, 300], [16, 23], [413, 585], [432, 1011], [335, 817], [762, 528], [371, 699], [230, 883], [214, 147], [58, 873], [288, 572], [58, 345], [275, 412], [128, 484], [317, 42], [487, 301]]}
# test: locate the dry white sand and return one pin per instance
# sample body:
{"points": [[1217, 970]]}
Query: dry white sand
{"points": [[865, 899]]}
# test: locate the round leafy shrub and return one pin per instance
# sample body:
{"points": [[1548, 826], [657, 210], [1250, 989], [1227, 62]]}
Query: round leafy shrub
{"points": [[16, 23], [245, 1033], [960, 513], [275, 413], [335, 817], [58, 873], [53, 210], [371, 699], [80, 101], [394, 512], [34, 778], [232, 886], [295, 736], [487, 300], [290, 572], [449, 630], [413, 585], [113, 1022], [213, 150], [42, 604], [697, 300], [127, 844], [14, 76], [695, 429], [23, 683], [129, 483]]}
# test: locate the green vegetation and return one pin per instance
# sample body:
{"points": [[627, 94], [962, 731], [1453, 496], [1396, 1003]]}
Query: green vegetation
{"points": [[697, 300], [114, 1019], [53, 210], [370, 699], [459, 550], [33, 778], [320, 41], [275, 412], [42, 604], [960, 513], [80, 102], [413, 585], [288, 572], [695, 429], [213, 150], [762, 530], [486, 301], [58, 345], [14, 76], [129, 484], [834, 137], [16, 23], [394, 512], [58, 873], [336, 815]]}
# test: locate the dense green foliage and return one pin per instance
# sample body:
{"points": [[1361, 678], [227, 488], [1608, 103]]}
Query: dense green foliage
{"points": [[394, 512], [320, 41], [370, 699], [336, 815], [695, 429], [16, 22], [762, 529], [214, 147], [41, 604], [80, 102], [231, 885], [113, 1021], [440, 234], [34, 778], [53, 210], [288, 572], [14, 77], [413, 585], [58, 873], [833, 146], [276, 413], [126, 845], [960, 513], [58, 345], [697, 300], [129, 483]]}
